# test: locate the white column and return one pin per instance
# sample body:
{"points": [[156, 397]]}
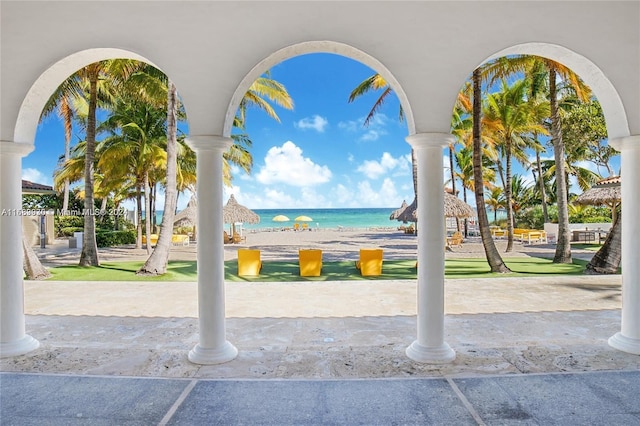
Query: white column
{"points": [[213, 347], [13, 339], [430, 346], [628, 339]]}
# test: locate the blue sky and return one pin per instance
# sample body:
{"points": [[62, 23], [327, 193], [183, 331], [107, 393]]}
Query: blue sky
{"points": [[320, 155]]}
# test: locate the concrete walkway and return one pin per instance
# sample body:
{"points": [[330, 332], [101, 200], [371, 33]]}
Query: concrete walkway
{"points": [[550, 399]]}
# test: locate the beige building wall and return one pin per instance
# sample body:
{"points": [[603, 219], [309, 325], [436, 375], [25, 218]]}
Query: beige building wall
{"points": [[31, 228]]}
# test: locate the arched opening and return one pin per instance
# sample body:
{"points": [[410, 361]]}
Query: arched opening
{"points": [[428, 147], [504, 96], [316, 47], [139, 115]]}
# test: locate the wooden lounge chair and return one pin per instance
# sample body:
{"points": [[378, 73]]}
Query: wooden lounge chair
{"points": [[237, 238], [455, 240], [249, 263], [226, 239], [370, 263], [310, 262]]}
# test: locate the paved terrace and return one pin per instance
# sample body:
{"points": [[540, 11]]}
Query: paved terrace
{"points": [[529, 351]]}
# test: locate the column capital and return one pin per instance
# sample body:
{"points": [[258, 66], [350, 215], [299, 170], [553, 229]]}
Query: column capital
{"points": [[209, 142], [425, 140], [626, 143], [21, 149]]}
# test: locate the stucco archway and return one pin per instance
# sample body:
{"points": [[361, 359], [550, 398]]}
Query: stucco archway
{"points": [[51, 78], [590, 73], [430, 345], [316, 47]]}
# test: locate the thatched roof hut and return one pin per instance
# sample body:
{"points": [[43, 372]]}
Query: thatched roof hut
{"points": [[187, 217], [453, 207], [394, 215], [605, 192], [233, 212]]}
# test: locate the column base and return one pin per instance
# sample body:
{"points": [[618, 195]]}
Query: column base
{"points": [[19, 347], [431, 355], [625, 344], [200, 355]]}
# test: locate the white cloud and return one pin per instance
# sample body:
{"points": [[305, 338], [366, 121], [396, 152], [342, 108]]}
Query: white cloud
{"points": [[239, 173], [371, 132], [36, 176], [316, 123], [286, 165], [373, 169], [371, 135], [385, 196], [350, 125], [343, 196]]}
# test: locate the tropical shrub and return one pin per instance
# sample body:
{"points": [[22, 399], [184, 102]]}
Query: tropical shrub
{"points": [[62, 224], [115, 238], [69, 230], [532, 218]]}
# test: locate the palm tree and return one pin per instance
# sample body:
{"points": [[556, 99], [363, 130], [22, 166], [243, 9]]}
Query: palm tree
{"points": [[374, 83], [135, 148], [262, 91], [157, 263], [493, 257], [97, 79], [513, 117], [495, 201], [66, 101], [556, 72]]}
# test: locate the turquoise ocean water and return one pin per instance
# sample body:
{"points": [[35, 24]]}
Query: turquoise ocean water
{"points": [[327, 218], [361, 218]]}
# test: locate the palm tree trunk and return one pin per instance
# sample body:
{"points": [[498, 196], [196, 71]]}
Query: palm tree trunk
{"points": [[607, 259], [103, 209], [508, 195], [453, 186], [563, 247], [157, 263], [33, 269], [154, 219], [139, 221], [89, 255], [493, 257], [66, 113], [147, 211], [543, 192]]}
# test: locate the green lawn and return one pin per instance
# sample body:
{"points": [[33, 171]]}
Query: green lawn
{"points": [[331, 271]]}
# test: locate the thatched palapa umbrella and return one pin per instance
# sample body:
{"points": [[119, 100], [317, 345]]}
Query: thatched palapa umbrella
{"points": [[187, 217], [453, 207], [233, 212], [398, 212], [607, 191]]}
